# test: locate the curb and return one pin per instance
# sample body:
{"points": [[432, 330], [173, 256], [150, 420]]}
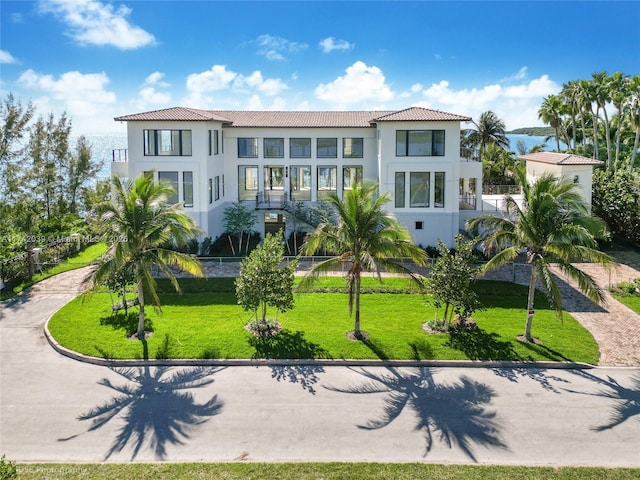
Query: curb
{"points": [[242, 362]]}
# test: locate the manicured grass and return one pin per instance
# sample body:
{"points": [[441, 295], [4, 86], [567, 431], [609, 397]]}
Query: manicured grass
{"points": [[313, 471], [209, 324], [631, 301], [79, 260]]}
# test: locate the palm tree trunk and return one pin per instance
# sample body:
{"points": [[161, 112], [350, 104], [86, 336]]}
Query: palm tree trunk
{"points": [[635, 149], [141, 317], [530, 298], [356, 326]]}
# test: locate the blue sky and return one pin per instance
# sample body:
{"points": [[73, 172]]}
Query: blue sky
{"points": [[98, 59]]}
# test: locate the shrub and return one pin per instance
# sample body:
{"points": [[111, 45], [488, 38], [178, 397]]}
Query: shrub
{"points": [[8, 469]]}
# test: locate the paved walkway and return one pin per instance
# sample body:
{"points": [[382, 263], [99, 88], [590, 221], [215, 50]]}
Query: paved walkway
{"points": [[54, 409], [615, 327]]}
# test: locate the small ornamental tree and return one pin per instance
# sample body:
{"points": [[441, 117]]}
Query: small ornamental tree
{"points": [[238, 219], [264, 282], [450, 281]]}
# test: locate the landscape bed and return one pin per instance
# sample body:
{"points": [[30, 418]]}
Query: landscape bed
{"points": [[205, 322]]}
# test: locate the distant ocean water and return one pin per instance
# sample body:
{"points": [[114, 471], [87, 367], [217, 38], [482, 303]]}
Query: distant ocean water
{"points": [[102, 147]]}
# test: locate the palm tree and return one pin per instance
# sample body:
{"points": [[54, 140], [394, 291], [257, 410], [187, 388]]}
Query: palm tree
{"points": [[366, 237], [489, 129], [550, 113], [602, 84], [141, 224], [634, 87], [552, 226]]}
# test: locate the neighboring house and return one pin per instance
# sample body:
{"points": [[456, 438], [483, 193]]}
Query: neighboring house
{"points": [[574, 167], [271, 160]]}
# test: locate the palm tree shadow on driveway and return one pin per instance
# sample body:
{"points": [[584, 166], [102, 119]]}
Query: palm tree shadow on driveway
{"points": [[154, 406], [454, 413]]}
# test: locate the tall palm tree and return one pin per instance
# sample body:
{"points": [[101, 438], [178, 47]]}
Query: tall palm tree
{"points": [[602, 84], [550, 112], [365, 236], [489, 129], [141, 224], [634, 88], [553, 226]]}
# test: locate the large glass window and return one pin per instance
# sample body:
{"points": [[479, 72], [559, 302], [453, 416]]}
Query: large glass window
{"points": [[187, 189], [438, 190], [419, 189], [167, 142], [172, 179], [399, 193], [247, 182], [216, 187], [274, 147], [419, 143], [351, 176], [352, 148], [247, 147], [274, 178], [326, 181], [300, 182], [300, 147], [327, 148]]}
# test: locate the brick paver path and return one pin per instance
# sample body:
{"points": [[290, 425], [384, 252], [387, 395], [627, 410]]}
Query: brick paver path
{"points": [[615, 327]]}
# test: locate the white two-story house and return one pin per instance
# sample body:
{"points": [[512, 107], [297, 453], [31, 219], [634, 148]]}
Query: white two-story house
{"points": [[273, 159]]}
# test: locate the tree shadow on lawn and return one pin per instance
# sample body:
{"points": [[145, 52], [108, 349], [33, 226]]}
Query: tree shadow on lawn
{"points": [[287, 345], [126, 321], [198, 299], [478, 344], [455, 412], [420, 349], [154, 408]]}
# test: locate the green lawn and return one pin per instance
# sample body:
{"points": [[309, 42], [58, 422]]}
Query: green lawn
{"points": [[206, 322], [79, 260], [316, 471], [631, 301]]}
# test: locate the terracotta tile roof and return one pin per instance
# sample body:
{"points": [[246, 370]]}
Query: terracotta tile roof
{"points": [[421, 114], [327, 119], [173, 113], [560, 158]]}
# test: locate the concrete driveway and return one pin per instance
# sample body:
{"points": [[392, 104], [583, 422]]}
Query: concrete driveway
{"points": [[55, 409]]}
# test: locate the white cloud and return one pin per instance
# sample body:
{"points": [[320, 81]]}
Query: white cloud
{"points": [[219, 78], [6, 57], [91, 22], [437, 56], [156, 79], [330, 44], [519, 75], [149, 93], [361, 83], [81, 93], [275, 48], [269, 87], [517, 105]]}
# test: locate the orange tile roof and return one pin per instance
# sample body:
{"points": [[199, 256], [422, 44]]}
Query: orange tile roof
{"points": [[555, 158], [326, 119]]}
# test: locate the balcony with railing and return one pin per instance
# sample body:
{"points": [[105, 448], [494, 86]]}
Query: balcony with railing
{"points": [[119, 162], [469, 154]]}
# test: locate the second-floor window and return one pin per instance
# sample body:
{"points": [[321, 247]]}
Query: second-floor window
{"points": [[274, 147], [247, 147], [300, 147], [327, 148], [419, 143], [167, 142], [351, 148]]}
